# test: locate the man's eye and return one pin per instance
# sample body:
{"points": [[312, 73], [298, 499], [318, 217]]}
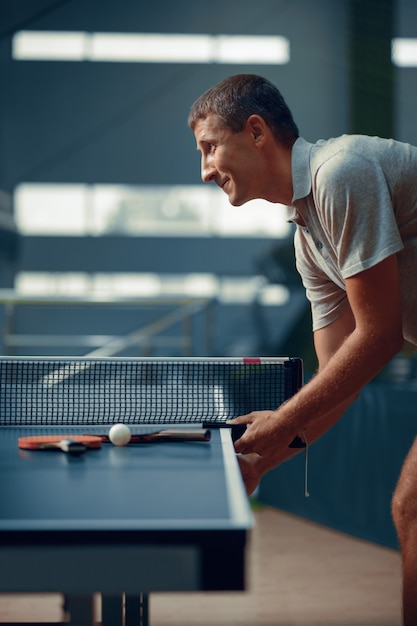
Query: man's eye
{"points": [[211, 148]]}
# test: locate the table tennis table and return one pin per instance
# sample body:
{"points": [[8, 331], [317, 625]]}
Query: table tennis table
{"points": [[127, 521]]}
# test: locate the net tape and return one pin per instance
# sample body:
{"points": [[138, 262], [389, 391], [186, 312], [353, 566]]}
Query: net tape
{"points": [[140, 391]]}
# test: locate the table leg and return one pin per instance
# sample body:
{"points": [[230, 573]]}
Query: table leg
{"points": [[112, 610], [137, 610], [81, 610]]}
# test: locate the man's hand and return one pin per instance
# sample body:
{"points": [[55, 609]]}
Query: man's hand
{"points": [[250, 469], [266, 436]]}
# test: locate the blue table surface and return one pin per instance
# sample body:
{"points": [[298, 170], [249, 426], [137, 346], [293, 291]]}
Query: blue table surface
{"points": [[191, 485]]}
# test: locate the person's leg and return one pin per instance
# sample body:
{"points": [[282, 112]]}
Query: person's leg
{"points": [[404, 511]]}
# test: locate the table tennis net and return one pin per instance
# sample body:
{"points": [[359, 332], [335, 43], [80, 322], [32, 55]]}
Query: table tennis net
{"points": [[51, 391]]}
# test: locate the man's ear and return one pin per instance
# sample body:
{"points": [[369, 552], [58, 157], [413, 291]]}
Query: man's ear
{"points": [[258, 128]]}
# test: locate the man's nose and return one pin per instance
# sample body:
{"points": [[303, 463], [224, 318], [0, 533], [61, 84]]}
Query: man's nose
{"points": [[208, 171]]}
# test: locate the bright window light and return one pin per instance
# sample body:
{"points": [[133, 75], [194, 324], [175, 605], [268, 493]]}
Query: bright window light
{"points": [[48, 46], [51, 209], [164, 210], [200, 285], [150, 48], [228, 290], [273, 295], [404, 52], [253, 50]]}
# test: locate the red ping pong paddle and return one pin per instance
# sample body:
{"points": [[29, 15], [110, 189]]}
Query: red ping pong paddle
{"points": [[72, 444]]}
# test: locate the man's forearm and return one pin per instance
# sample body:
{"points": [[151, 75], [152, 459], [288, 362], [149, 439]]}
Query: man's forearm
{"points": [[314, 431]]}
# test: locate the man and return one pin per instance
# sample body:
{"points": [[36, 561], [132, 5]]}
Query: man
{"points": [[354, 202]]}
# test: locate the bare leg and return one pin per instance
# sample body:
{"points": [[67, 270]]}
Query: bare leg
{"points": [[404, 510]]}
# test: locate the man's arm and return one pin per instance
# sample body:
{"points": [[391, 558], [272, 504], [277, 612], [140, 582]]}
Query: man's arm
{"points": [[351, 351]]}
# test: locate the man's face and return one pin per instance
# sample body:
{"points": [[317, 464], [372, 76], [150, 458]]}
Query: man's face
{"points": [[228, 159]]}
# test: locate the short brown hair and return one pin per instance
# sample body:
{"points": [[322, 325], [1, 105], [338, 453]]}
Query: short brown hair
{"points": [[238, 97]]}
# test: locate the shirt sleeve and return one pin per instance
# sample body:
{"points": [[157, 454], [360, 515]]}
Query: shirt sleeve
{"points": [[354, 203], [354, 206]]}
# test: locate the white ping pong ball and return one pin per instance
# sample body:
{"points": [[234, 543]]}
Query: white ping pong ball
{"points": [[120, 434]]}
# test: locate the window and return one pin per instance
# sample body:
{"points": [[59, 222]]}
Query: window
{"points": [[404, 52], [144, 210], [150, 47], [80, 210], [227, 290]]}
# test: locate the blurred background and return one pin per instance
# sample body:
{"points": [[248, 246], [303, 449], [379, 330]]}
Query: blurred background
{"points": [[110, 244]]}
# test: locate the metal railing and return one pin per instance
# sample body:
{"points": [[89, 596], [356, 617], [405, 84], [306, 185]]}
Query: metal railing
{"points": [[146, 338]]}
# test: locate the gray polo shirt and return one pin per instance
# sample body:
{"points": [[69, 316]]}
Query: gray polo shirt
{"points": [[355, 204]]}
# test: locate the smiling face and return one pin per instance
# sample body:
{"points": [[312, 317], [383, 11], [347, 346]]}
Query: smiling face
{"points": [[231, 160]]}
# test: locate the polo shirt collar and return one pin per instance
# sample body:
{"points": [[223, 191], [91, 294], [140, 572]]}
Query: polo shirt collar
{"points": [[300, 163], [301, 178]]}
